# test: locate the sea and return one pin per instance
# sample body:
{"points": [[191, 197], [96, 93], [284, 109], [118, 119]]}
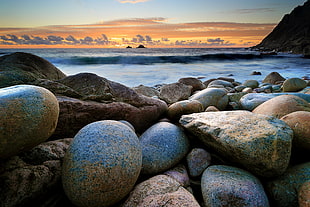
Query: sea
{"points": [[152, 66]]}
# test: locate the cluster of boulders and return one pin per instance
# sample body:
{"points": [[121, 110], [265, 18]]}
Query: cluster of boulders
{"points": [[83, 140]]}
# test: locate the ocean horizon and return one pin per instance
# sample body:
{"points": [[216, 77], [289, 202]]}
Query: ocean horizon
{"points": [[153, 66]]}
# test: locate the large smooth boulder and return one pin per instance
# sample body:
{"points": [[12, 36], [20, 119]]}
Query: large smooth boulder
{"points": [[160, 190], [260, 143], [282, 105], [33, 178], [102, 164], [212, 97], [284, 189], [294, 84], [252, 100], [24, 68], [28, 116], [163, 146], [230, 186], [299, 121]]}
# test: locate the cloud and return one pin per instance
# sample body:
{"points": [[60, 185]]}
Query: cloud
{"points": [[217, 40], [132, 1], [256, 10]]}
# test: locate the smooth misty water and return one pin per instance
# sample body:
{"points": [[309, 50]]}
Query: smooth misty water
{"points": [[152, 66]]}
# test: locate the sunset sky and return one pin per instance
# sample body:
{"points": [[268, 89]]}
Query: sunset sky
{"points": [[153, 23]]}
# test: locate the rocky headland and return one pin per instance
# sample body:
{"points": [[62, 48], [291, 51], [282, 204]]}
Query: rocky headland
{"points": [[292, 34], [83, 140]]}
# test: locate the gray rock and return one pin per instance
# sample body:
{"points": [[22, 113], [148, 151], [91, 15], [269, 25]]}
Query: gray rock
{"points": [[252, 100], [194, 82], [273, 78], [177, 109], [251, 84], [284, 189], [146, 91], [179, 173], [33, 177], [197, 161], [102, 164], [261, 144], [160, 190], [174, 92], [229, 186], [163, 146], [212, 97], [294, 84], [220, 82], [28, 116]]}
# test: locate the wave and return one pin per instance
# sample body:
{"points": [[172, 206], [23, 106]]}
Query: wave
{"points": [[149, 60]]}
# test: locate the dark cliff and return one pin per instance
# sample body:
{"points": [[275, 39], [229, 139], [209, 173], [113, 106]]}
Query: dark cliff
{"points": [[292, 34]]}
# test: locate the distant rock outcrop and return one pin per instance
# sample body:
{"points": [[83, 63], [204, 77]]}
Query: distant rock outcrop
{"points": [[292, 34]]}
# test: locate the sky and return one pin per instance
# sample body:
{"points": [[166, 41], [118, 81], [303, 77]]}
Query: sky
{"points": [[153, 23]]}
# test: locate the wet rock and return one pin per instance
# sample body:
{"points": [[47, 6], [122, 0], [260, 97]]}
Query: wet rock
{"points": [[284, 189], [220, 82], [197, 161], [293, 85], [256, 73], [160, 190], [229, 186], [33, 177], [212, 97], [282, 105], [299, 122], [251, 84], [174, 92], [261, 144], [24, 68], [252, 100], [247, 90], [194, 82], [102, 164], [28, 116], [146, 91], [176, 110], [273, 78], [163, 146]]}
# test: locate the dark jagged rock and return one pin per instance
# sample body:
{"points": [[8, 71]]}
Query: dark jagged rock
{"points": [[24, 68], [292, 34]]}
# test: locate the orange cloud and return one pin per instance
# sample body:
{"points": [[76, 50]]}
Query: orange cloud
{"points": [[149, 31]]}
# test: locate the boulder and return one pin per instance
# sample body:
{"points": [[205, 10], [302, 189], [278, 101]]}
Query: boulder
{"points": [[163, 146], [147, 91], [294, 84], [28, 116], [160, 190], [304, 195], [230, 186], [282, 105], [102, 164], [220, 82], [259, 143], [197, 161], [174, 92], [177, 109], [273, 78], [251, 84], [212, 97], [24, 68], [252, 100], [194, 82], [284, 189], [34, 177], [299, 121], [223, 185]]}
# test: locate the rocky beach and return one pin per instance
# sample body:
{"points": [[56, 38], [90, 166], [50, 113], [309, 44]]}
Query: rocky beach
{"points": [[84, 140]]}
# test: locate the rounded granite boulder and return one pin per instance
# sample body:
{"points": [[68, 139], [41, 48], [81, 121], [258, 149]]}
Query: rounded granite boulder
{"points": [[102, 164], [294, 84], [212, 97], [28, 116], [163, 146], [177, 109]]}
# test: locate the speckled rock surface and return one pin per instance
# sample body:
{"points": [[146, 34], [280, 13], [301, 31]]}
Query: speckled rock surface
{"points": [[163, 146], [294, 84], [102, 164], [252, 100], [197, 161], [160, 190], [262, 144], [230, 186], [212, 97], [304, 195], [28, 116], [174, 92], [284, 189], [194, 82], [299, 121], [179, 173], [176, 110], [282, 105]]}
